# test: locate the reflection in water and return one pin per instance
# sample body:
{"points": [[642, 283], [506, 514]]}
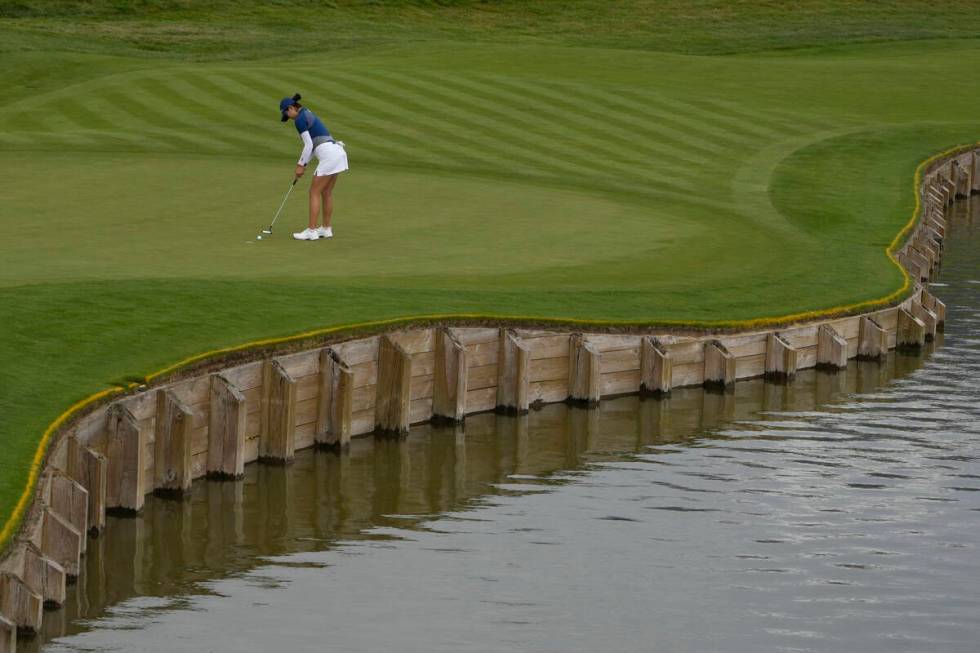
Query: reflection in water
{"points": [[837, 512]]}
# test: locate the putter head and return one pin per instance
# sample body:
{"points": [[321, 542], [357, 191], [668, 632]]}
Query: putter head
{"points": [[267, 231]]}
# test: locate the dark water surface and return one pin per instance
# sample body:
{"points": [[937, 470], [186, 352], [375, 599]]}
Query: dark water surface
{"points": [[838, 513]]}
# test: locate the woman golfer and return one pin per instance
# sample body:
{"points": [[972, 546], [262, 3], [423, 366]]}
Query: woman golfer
{"points": [[331, 161]]}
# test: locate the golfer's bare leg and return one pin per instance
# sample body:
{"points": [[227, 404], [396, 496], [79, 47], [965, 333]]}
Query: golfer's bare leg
{"points": [[328, 200], [316, 199]]}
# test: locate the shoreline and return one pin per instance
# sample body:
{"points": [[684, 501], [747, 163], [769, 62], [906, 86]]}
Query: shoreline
{"points": [[294, 396]]}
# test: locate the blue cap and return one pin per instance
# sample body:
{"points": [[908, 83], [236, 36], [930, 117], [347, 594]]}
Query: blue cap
{"points": [[284, 104]]}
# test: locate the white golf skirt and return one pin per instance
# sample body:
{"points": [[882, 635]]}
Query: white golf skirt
{"points": [[331, 159]]}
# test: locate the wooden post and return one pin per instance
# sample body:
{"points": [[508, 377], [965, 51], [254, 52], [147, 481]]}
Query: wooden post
{"points": [[70, 500], [89, 468], [937, 307], [172, 445], [919, 260], [911, 332], [226, 429], [872, 340], [781, 358], [513, 367], [449, 383], [975, 172], [583, 371], [831, 348], [392, 413], [719, 365], [656, 368], [19, 604], [335, 406], [8, 633], [45, 577], [126, 453], [929, 319], [278, 438], [61, 542]]}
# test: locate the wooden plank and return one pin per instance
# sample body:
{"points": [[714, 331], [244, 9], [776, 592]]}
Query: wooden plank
{"points": [[45, 577], [227, 428], [610, 342], [933, 304], [930, 321], [20, 605], [8, 631], [172, 445], [450, 376], [781, 358], [584, 371], [656, 367], [552, 345], [719, 365], [620, 360], [547, 392], [365, 374], [362, 423], [415, 341], [872, 340], [484, 376], [363, 398], [483, 353], [392, 407], [69, 499], [513, 365], [356, 352], [126, 454], [305, 411], [277, 441], [420, 410], [301, 364], [481, 399], [831, 348], [61, 542], [246, 377], [423, 364], [475, 335], [911, 331], [619, 383], [548, 369], [750, 367], [89, 468], [335, 407]]}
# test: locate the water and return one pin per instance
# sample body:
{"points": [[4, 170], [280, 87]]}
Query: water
{"points": [[838, 513]]}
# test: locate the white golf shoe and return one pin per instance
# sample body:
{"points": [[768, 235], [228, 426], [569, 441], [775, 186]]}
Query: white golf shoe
{"points": [[307, 234], [325, 232]]}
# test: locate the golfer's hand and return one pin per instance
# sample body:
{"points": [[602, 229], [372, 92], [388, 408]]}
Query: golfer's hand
{"points": [[300, 170]]}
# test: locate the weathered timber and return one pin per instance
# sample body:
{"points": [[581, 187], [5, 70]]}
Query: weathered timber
{"points": [[928, 318], [227, 421], [911, 332], [126, 454], [336, 401], [513, 366], [975, 172], [8, 634], [719, 366], [933, 304], [277, 441], [872, 340], [781, 358], [449, 377], [19, 604], [45, 577], [656, 367], [172, 445], [61, 542], [393, 392], [70, 500], [920, 261], [831, 349], [583, 371], [90, 469]]}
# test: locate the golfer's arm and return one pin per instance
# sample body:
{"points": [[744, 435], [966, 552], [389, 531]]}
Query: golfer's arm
{"points": [[304, 158]]}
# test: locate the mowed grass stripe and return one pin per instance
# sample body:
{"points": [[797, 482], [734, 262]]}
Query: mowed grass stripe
{"points": [[442, 134], [643, 113], [665, 148], [594, 112], [672, 106], [401, 145], [514, 120], [513, 125]]}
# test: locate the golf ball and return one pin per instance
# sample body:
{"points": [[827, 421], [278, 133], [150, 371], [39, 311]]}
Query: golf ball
{"points": [[258, 238]]}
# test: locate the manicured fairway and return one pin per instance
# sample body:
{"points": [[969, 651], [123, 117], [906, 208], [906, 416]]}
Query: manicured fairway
{"points": [[513, 178]]}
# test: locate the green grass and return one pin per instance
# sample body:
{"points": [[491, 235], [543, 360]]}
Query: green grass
{"points": [[584, 159]]}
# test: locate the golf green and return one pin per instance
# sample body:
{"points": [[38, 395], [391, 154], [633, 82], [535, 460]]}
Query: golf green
{"points": [[512, 175]]}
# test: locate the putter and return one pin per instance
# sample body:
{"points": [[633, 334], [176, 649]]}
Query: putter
{"points": [[268, 230]]}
